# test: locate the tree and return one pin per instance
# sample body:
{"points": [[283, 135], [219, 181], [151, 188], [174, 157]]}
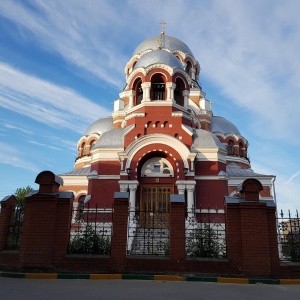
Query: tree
{"points": [[20, 194]]}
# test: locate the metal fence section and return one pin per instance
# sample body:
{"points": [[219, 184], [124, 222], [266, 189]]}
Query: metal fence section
{"points": [[148, 233], [15, 228], [91, 231], [289, 236], [205, 233]]}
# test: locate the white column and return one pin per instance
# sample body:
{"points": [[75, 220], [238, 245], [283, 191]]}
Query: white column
{"points": [[146, 91], [170, 91], [131, 97], [190, 187], [132, 196], [186, 94], [180, 187]]}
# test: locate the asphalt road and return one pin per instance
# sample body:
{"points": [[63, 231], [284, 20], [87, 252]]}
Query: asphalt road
{"points": [[61, 289]]}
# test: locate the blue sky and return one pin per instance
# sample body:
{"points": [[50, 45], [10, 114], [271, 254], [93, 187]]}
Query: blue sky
{"points": [[62, 66]]}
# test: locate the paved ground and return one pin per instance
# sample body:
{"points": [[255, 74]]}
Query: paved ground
{"points": [[65, 289]]}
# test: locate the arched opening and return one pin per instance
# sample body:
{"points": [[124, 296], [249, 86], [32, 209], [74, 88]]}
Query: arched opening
{"points": [[83, 149], [241, 152], [137, 87], [157, 87], [188, 67], [230, 147], [178, 97]]}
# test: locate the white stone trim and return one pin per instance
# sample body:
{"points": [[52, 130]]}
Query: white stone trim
{"points": [[153, 139]]}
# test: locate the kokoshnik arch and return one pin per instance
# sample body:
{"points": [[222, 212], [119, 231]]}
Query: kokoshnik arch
{"points": [[162, 138]]}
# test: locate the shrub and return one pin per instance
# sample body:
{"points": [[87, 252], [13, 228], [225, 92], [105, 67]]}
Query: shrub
{"points": [[204, 242], [90, 243]]}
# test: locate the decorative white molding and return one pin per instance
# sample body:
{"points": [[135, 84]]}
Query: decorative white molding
{"points": [[153, 139]]}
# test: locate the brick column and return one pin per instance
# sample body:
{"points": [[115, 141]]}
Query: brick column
{"points": [[7, 207], [119, 236], [46, 226], [177, 227], [251, 232], [37, 244]]}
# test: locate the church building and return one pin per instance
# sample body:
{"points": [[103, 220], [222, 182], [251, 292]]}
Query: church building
{"points": [[161, 139]]}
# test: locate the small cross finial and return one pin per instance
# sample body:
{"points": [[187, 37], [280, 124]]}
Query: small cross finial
{"points": [[162, 23]]}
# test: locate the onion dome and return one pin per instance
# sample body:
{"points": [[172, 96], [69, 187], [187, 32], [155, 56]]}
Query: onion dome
{"points": [[205, 139], [159, 56], [100, 126], [169, 43], [223, 126]]}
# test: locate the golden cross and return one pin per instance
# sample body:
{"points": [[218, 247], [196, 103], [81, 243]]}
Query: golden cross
{"points": [[162, 22]]}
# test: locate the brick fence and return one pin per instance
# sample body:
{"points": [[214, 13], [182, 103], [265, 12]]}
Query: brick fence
{"points": [[251, 237]]}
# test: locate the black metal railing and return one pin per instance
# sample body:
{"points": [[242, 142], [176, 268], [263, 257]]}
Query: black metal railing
{"points": [[289, 236], [148, 233], [15, 228], [158, 95], [91, 231], [205, 233]]}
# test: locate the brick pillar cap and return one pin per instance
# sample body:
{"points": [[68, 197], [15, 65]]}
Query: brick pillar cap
{"points": [[48, 182], [8, 198], [250, 185]]}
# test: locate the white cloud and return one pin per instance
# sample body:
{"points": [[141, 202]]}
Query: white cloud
{"points": [[9, 155], [44, 145], [11, 126], [45, 102]]}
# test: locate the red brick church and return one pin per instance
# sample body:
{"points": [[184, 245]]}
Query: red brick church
{"points": [[162, 138]]}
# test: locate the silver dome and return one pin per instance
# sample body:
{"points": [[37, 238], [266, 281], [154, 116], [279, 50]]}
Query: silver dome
{"points": [[100, 126], [111, 139], [170, 43], [223, 126], [158, 56], [205, 139]]}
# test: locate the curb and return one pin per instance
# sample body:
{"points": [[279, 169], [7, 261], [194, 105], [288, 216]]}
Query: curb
{"points": [[236, 280]]}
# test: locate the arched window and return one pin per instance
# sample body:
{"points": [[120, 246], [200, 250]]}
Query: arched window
{"points": [[137, 87], [83, 149], [157, 167], [178, 97], [157, 87], [188, 67], [241, 150], [80, 210], [93, 144], [230, 147]]}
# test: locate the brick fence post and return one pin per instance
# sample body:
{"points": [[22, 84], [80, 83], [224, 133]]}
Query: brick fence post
{"points": [[46, 224], [177, 227], [8, 205], [119, 236], [251, 232]]}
